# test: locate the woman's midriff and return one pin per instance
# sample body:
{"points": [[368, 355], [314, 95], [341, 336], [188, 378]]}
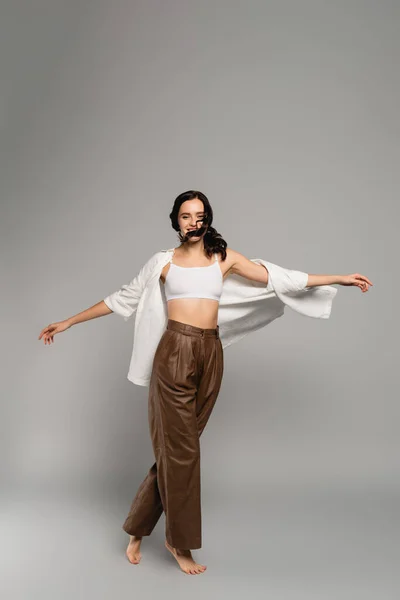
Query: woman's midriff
{"points": [[200, 312]]}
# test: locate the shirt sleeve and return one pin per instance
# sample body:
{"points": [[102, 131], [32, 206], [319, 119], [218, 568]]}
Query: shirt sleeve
{"points": [[289, 281], [125, 301], [283, 280], [290, 286]]}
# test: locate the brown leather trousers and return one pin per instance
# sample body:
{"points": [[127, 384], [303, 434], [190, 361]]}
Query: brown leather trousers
{"points": [[185, 382]]}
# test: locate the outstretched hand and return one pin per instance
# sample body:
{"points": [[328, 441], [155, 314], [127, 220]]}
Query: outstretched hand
{"points": [[49, 332], [356, 279]]}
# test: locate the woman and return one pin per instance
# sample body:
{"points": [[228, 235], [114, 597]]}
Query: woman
{"points": [[186, 358]]}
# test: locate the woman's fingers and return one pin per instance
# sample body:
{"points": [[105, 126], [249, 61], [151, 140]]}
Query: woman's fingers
{"points": [[47, 339], [364, 278], [48, 333], [363, 285], [45, 331]]}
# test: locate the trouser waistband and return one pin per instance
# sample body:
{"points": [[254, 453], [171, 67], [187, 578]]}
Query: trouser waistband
{"points": [[187, 329]]}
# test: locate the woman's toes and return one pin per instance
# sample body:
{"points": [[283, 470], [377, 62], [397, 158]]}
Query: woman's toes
{"points": [[134, 560]]}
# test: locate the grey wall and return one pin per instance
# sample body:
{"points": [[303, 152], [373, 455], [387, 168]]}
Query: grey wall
{"points": [[285, 114]]}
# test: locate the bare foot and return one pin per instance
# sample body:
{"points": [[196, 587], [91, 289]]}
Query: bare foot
{"points": [[185, 560], [133, 550]]}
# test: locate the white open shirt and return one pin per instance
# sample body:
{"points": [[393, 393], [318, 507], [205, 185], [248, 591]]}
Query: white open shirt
{"points": [[244, 306]]}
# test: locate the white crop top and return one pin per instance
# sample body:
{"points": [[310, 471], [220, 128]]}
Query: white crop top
{"points": [[194, 282]]}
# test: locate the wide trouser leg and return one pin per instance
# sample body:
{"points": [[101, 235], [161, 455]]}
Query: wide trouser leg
{"points": [[186, 379], [146, 507]]}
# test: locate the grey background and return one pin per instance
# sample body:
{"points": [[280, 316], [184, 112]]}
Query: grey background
{"points": [[285, 113]]}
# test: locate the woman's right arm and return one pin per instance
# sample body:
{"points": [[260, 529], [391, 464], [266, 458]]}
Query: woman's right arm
{"points": [[123, 302], [97, 310]]}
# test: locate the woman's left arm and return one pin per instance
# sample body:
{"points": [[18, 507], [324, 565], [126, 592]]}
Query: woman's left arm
{"points": [[354, 279], [241, 265]]}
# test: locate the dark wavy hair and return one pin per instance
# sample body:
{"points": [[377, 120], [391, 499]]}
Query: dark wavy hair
{"points": [[213, 241]]}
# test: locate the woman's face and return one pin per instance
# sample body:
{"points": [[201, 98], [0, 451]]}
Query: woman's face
{"points": [[190, 217]]}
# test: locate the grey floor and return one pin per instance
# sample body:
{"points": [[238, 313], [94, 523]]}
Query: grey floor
{"points": [[289, 543]]}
